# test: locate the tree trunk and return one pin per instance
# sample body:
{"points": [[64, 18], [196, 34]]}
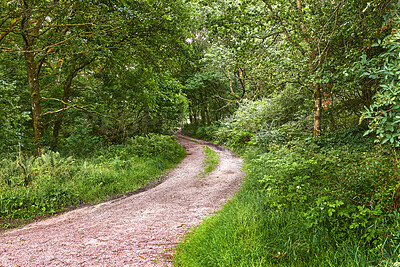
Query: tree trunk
{"points": [[33, 63], [203, 110], [203, 117], [317, 96], [190, 114], [59, 119], [33, 69], [73, 72], [208, 117], [311, 51], [317, 111]]}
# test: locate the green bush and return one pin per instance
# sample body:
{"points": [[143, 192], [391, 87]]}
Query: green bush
{"points": [[206, 132], [13, 117], [155, 145], [189, 129], [384, 113], [342, 191], [82, 142]]}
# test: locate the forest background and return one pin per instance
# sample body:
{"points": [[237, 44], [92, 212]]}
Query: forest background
{"points": [[306, 91]]}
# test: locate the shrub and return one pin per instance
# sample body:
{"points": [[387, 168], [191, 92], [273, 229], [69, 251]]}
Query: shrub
{"points": [[155, 145], [13, 117], [342, 191], [206, 132], [81, 142], [277, 119]]}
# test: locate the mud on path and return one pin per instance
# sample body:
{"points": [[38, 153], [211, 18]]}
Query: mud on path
{"points": [[138, 230]]}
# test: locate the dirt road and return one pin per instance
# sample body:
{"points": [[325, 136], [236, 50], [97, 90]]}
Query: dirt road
{"points": [[138, 230]]}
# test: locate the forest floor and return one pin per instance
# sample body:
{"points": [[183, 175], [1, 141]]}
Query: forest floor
{"points": [[135, 230]]}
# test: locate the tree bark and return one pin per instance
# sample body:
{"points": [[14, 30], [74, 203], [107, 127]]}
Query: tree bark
{"points": [[207, 114], [29, 32], [59, 119], [203, 117], [76, 67], [310, 51], [190, 114], [65, 97], [33, 69], [312, 67], [317, 110]]}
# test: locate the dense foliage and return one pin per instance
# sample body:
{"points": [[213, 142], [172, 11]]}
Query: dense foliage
{"points": [[259, 48], [384, 112]]}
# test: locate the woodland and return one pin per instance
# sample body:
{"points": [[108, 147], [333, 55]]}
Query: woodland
{"points": [[306, 91]]}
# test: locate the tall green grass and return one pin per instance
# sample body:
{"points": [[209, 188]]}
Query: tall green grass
{"points": [[32, 187]]}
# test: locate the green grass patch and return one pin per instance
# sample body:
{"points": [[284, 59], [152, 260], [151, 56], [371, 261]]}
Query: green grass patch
{"points": [[210, 162], [32, 187], [191, 140]]}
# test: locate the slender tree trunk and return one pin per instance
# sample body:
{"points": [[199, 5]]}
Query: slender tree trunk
{"points": [[207, 114], [33, 63], [317, 98], [311, 51], [317, 88], [317, 110], [33, 69], [59, 119], [73, 72], [203, 110], [190, 114], [203, 117]]}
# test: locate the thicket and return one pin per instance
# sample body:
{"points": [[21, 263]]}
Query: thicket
{"points": [[32, 187]]}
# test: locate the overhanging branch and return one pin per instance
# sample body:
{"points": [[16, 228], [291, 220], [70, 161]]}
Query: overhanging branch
{"points": [[76, 107]]}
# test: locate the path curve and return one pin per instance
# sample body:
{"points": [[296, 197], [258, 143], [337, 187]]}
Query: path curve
{"points": [[138, 230]]}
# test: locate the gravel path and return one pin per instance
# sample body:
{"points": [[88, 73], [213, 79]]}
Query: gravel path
{"points": [[137, 230]]}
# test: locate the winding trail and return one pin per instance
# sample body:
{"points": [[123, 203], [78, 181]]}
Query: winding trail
{"points": [[137, 230]]}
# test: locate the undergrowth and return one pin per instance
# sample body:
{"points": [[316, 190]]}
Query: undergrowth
{"points": [[32, 187]]}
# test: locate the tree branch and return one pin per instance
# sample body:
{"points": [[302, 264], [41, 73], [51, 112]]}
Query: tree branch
{"points": [[9, 28], [282, 24], [76, 107], [58, 111]]}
